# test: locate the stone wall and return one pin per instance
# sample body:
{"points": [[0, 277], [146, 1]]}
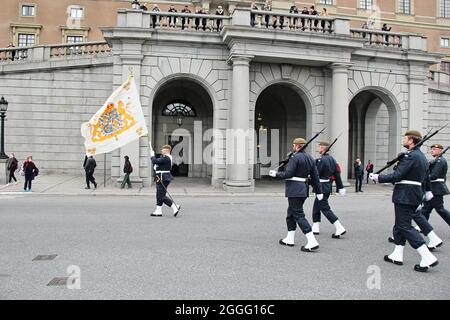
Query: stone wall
{"points": [[45, 113]]}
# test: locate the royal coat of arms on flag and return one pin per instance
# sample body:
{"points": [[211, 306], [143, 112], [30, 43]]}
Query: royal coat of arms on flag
{"points": [[119, 121]]}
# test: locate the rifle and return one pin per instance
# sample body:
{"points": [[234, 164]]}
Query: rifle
{"points": [[335, 140], [282, 164], [427, 137], [445, 150]]}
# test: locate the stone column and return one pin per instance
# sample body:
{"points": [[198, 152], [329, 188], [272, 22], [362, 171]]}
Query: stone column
{"points": [[417, 86], [339, 112], [238, 134]]}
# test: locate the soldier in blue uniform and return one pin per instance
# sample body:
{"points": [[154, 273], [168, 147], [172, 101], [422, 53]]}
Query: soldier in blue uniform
{"points": [[407, 196], [438, 174], [422, 223], [162, 166], [300, 166], [327, 168]]}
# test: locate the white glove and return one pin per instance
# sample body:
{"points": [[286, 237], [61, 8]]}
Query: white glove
{"points": [[273, 173], [342, 191], [374, 177], [428, 195], [319, 196]]}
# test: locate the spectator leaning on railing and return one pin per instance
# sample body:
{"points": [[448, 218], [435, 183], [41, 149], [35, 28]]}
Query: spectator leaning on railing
{"points": [[219, 12], [185, 21], [294, 10], [172, 19]]}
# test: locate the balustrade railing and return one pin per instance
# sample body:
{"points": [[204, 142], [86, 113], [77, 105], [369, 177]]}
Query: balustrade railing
{"points": [[187, 21], [14, 54], [379, 38], [291, 21]]}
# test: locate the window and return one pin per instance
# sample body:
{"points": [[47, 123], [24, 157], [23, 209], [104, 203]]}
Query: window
{"points": [[179, 108], [445, 8], [28, 10], [75, 39], [76, 13], [404, 6], [329, 2], [366, 4], [26, 40], [445, 67]]}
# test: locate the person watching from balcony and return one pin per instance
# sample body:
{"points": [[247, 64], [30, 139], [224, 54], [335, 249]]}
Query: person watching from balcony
{"points": [[144, 7], [305, 11], [385, 28], [267, 7], [135, 5], [13, 52], [253, 6], [324, 13], [219, 12], [293, 10], [155, 9], [172, 19], [185, 21], [313, 12]]}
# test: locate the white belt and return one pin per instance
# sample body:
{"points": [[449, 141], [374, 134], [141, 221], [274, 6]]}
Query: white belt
{"points": [[158, 172], [324, 180], [438, 180], [297, 179], [416, 183]]}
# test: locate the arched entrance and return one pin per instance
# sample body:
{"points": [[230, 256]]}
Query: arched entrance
{"points": [[374, 124], [182, 109], [280, 117]]}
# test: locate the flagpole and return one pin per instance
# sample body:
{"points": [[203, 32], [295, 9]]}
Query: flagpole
{"points": [[104, 170]]}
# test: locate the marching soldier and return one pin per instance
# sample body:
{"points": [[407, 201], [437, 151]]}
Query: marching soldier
{"points": [[422, 223], [407, 195], [438, 173], [300, 165], [327, 167], [162, 166]]}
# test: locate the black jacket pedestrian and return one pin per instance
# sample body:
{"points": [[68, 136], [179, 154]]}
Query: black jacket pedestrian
{"points": [[30, 170], [12, 164], [359, 170], [90, 165], [127, 168]]}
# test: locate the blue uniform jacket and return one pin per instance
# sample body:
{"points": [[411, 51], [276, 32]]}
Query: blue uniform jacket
{"points": [[438, 170], [412, 167], [327, 167], [300, 165], [163, 163]]}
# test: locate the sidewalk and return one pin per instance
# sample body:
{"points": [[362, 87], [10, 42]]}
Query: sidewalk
{"points": [[182, 186]]}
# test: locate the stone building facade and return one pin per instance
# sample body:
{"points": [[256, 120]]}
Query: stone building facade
{"points": [[292, 82]]}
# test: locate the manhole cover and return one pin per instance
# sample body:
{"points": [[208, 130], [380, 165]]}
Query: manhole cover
{"points": [[45, 257], [58, 281]]}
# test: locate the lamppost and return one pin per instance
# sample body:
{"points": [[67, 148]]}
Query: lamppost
{"points": [[3, 109]]}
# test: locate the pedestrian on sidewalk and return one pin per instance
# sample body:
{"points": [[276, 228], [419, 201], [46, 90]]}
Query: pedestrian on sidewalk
{"points": [[89, 168], [12, 166], [359, 175], [127, 169], [30, 172], [369, 170]]}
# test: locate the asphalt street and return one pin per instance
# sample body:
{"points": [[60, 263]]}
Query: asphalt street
{"points": [[217, 248]]}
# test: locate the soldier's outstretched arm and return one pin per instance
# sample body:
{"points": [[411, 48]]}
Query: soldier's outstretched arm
{"points": [[402, 169], [315, 180], [162, 160]]}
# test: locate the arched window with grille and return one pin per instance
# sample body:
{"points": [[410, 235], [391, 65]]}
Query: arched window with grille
{"points": [[179, 108]]}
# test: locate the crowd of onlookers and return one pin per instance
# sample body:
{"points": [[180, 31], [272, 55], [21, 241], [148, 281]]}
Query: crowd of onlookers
{"points": [[267, 20]]}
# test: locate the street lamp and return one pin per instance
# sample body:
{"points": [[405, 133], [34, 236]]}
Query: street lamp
{"points": [[3, 109]]}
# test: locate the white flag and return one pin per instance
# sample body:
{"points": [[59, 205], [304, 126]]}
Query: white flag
{"points": [[118, 122]]}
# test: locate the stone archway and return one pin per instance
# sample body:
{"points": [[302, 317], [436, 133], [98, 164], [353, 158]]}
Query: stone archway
{"points": [[374, 127], [282, 113], [181, 109]]}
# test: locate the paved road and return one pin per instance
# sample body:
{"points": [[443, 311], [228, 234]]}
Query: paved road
{"points": [[218, 248]]}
